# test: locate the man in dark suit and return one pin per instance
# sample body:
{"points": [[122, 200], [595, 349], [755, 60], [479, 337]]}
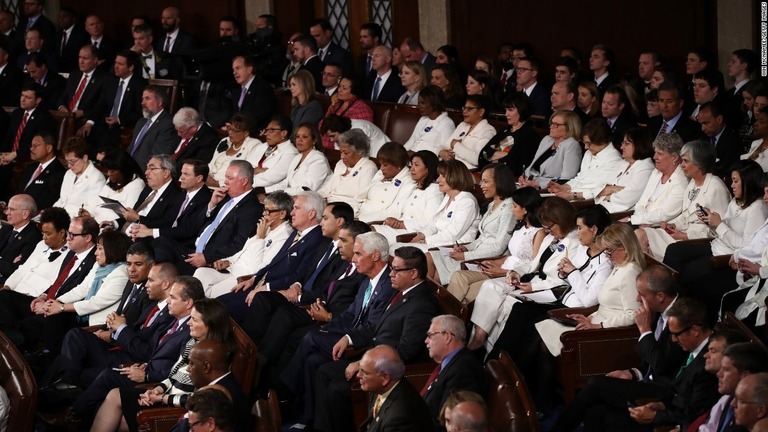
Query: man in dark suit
{"points": [[381, 373], [457, 367], [615, 109], [383, 83], [155, 64], [672, 118], [7, 32], [305, 52], [42, 179], [119, 105], [197, 139], [174, 41], [527, 73], [328, 50], [253, 95], [369, 37], [19, 237], [230, 219], [370, 256], [684, 396], [70, 37], [740, 67], [324, 264], [403, 325], [601, 60], [564, 96], [276, 278], [154, 134], [412, 50], [728, 146], [33, 18], [53, 84], [10, 78], [107, 48], [190, 215], [34, 43], [158, 204], [85, 86], [166, 346]]}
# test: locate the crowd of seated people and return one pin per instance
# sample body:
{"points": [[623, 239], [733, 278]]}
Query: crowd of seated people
{"points": [[129, 254]]}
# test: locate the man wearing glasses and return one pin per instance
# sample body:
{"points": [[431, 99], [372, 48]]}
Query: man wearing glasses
{"points": [[159, 202], [527, 70], [18, 238]]}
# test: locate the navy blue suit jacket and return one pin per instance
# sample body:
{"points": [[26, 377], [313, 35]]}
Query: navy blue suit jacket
{"points": [[166, 353], [289, 263], [235, 229], [382, 294]]}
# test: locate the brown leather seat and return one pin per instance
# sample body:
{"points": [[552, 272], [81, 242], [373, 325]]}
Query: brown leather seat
{"points": [[401, 123], [266, 413], [19, 383], [510, 406]]}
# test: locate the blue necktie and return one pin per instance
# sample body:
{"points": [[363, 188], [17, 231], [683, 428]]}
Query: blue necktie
{"points": [[376, 88], [366, 298], [118, 98], [727, 419], [307, 287], [140, 136], [208, 232]]}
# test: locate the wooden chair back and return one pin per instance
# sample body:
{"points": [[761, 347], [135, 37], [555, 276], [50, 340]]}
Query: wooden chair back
{"points": [[19, 383], [172, 89]]}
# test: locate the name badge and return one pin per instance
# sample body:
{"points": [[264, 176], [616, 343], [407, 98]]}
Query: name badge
{"points": [[450, 213]]}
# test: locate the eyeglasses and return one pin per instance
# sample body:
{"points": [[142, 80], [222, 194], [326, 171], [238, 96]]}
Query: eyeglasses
{"points": [[270, 211], [430, 334], [547, 228], [71, 235], [193, 424], [72, 162], [272, 129], [610, 252], [523, 69], [469, 108], [677, 334], [152, 168], [556, 125], [398, 270]]}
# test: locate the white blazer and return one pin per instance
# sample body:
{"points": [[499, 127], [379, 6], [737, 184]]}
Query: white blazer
{"points": [[738, 226], [633, 180], [762, 158], [347, 188], [106, 299], [277, 163], [384, 199], [76, 191], [220, 161], [713, 195], [37, 273], [468, 148], [432, 135], [591, 177], [494, 228], [310, 173], [666, 205], [456, 221], [567, 247]]}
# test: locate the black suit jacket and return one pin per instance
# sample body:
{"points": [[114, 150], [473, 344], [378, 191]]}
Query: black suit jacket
{"points": [[688, 129], [540, 100], [728, 149], [20, 246], [403, 325], [201, 146], [91, 96], [429, 63], [10, 85], [463, 372], [623, 123], [291, 261], [315, 67], [81, 271], [43, 24], [139, 341], [160, 138], [259, 101], [46, 187], [330, 271], [54, 85], [108, 49], [166, 352], [664, 357], [390, 91], [190, 221], [344, 293], [610, 80], [183, 43], [369, 316], [163, 212], [130, 105], [71, 50], [236, 227], [132, 311], [404, 410], [338, 55], [40, 120]]}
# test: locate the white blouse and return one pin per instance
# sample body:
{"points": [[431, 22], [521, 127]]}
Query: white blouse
{"points": [[432, 135], [347, 188], [384, 198], [520, 249], [220, 160], [310, 173], [127, 196], [738, 226], [660, 202], [471, 143], [632, 178], [456, 221], [277, 163]]}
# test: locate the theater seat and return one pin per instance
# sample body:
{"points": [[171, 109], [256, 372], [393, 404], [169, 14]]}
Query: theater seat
{"points": [[19, 383], [266, 413], [510, 406]]}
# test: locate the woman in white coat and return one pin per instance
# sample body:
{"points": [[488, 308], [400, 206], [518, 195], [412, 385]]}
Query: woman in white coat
{"points": [[559, 153], [705, 190], [458, 216], [308, 169], [423, 203], [353, 173], [81, 181], [390, 187], [273, 160], [99, 293], [237, 145], [497, 183], [272, 231], [625, 184], [434, 128], [757, 151], [125, 181], [471, 135]]}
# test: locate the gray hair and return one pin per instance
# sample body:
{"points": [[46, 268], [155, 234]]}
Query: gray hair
{"points": [[244, 169], [670, 143], [282, 201], [357, 139], [166, 162], [453, 325], [374, 242], [313, 201], [186, 118], [388, 361], [702, 154]]}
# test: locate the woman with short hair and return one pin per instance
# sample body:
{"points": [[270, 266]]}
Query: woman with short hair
{"points": [[559, 154], [390, 187], [354, 171], [434, 128]]}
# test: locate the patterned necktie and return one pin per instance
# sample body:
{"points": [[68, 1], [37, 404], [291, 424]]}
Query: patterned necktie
{"points": [[364, 307], [37, 173], [19, 132], [147, 201], [170, 331]]}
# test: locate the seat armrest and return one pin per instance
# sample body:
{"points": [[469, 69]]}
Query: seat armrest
{"points": [[405, 238], [719, 261], [561, 313], [159, 419]]}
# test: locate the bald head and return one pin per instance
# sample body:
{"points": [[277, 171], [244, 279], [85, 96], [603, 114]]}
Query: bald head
{"points": [[469, 416], [208, 360]]}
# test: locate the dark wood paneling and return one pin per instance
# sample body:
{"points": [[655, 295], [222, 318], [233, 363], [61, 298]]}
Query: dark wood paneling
{"points": [[406, 20], [671, 27], [199, 17], [294, 16]]}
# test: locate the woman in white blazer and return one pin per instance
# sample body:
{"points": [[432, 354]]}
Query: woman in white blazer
{"points": [[704, 190], [423, 202], [271, 232], [124, 184], [623, 187], [471, 135], [497, 183], [309, 168], [559, 153], [434, 128], [81, 181], [663, 194], [237, 145], [99, 293], [273, 160], [353, 173], [390, 186], [458, 216], [757, 151]]}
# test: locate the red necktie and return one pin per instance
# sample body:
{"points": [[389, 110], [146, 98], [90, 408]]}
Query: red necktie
{"points": [[20, 131], [80, 89], [63, 274], [396, 298], [181, 148], [431, 379], [149, 317]]}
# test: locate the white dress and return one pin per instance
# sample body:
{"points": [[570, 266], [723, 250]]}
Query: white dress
{"points": [[220, 161], [310, 173], [384, 198], [634, 180], [420, 207], [617, 301], [432, 135], [347, 188]]}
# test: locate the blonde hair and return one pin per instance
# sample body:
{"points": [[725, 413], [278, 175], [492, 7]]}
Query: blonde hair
{"points": [[621, 235], [307, 85], [418, 69], [572, 123]]}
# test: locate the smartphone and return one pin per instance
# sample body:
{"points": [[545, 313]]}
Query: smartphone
{"points": [[700, 211]]}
